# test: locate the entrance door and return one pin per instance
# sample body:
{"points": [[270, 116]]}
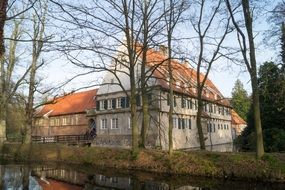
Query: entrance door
{"points": [[92, 127]]}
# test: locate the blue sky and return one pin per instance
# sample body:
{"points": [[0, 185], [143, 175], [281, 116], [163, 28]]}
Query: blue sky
{"points": [[223, 77]]}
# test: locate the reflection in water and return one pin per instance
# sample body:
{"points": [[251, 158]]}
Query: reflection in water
{"points": [[15, 177]]}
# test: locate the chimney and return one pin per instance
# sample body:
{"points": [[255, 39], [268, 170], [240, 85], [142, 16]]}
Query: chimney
{"points": [[163, 49]]}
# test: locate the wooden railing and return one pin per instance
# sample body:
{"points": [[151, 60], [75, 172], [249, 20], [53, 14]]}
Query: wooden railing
{"points": [[65, 139]]}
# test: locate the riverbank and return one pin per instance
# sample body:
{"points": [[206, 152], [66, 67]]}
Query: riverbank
{"points": [[270, 168]]}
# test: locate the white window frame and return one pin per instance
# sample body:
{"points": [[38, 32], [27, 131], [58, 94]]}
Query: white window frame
{"points": [[129, 123], [64, 121], [175, 122], [114, 123], [102, 105], [119, 102], [109, 104], [103, 123]]}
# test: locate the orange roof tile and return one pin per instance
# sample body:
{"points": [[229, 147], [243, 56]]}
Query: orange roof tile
{"points": [[184, 77], [236, 119], [70, 104]]}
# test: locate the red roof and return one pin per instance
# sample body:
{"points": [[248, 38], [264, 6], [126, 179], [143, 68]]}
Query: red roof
{"points": [[236, 119], [70, 104], [185, 78]]}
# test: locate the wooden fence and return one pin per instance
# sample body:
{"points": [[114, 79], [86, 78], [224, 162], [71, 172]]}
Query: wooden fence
{"points": [[64, 139]]}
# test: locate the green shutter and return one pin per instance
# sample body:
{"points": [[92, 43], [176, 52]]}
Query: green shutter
{"points": [[114, 103], [97, 105]]}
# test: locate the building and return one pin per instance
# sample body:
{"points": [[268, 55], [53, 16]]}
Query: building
{"points": [[112, 113], [65, 115], [238, 124]]}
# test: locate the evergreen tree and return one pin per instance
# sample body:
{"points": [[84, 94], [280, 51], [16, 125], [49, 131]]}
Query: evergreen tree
{"points": [[271, 84], [240, 100]]}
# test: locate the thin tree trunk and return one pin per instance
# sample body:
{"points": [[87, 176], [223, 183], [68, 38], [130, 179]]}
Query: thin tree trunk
{"points": [[199, 121], [254, 85], [145, 101], [3, 7]]}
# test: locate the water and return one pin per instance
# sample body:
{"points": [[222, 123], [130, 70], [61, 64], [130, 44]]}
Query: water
{"points": [[17, 177]]}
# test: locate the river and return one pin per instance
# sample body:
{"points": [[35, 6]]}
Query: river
{"points": [[52, 177]]}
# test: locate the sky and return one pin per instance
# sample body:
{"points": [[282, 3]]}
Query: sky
{"points": [[223, 76]]}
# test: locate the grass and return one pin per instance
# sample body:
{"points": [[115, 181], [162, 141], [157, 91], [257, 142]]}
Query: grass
{"points": [[198, 163]]}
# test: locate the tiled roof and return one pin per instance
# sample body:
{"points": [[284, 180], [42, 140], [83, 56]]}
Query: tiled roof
{"points": [[69, 104], [184, 77], [236, 119]]}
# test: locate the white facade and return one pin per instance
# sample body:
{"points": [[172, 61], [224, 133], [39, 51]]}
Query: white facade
{"points": [[216, 124]]}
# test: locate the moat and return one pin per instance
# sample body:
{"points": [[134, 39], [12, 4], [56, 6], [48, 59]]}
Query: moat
{"points": [[49, 177]]}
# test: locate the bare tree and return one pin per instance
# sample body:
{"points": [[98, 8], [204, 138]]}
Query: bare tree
{"points": [[173, 11], [209, 19], [39, 22], [246, 40], [3, 15]]}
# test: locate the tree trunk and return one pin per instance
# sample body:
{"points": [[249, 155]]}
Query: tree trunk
{"points": [[145, 121], [144, 93], [3, 7], [199, 121], [254, 85], [135, 148]]}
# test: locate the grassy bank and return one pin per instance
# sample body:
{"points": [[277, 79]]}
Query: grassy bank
{"points": [[199, 163]]}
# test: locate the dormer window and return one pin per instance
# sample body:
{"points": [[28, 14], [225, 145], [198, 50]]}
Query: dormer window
{"points": [[178, 84]]}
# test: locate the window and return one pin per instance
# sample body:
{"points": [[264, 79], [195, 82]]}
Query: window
{"points": [[40, 122], [189, 104], [129, 123], [103, 123], [64, 121], [76, 119], [114, 103], [210, 108], [102, 178], [114, 123], [225, 126], [125, 102], [114, 179], [56, 121], [189, 124], [179, 123], [105, 104], [218, 126], [109, 104], [183, 102], [214, 127], [174, 122], [97, 105], [101, 105], [183, 123], [205, 107], [119, 102], [208, 127], [51, 122], [138, 100], [174, 101]]}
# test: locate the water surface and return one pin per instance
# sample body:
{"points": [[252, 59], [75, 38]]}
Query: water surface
{"points": [[17, 177]]}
